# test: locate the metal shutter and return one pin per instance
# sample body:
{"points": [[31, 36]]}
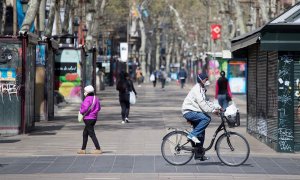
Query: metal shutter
{"points": [[251, 94], [297, 103], [261, 96], [272, 109]]}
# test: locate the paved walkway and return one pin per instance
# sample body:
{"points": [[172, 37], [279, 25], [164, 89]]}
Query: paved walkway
{"points": [[131, 151]]}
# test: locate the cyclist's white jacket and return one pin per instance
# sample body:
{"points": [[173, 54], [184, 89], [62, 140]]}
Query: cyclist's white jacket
{"points": [[196, 101]]}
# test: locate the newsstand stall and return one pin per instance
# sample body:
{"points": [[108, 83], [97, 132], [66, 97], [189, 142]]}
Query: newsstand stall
{"points": [[17, 80], [44, 80], [69, 76]]}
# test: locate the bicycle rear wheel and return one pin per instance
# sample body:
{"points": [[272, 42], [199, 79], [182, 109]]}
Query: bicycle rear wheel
{"points": [[232, 149], [176, 149]]}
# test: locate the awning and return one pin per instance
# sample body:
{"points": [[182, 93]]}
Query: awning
{"points": [[245, 42]]}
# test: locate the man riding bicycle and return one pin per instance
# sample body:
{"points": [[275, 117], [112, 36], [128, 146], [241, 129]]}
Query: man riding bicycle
{"points": [[194, 109]]}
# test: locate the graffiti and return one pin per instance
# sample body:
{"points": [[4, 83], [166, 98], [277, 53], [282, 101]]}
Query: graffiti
{"points": [[9, 89], [285, 99], [283, 145], [7, 55], [262, 126], [285, 134], [285, 104], [286, 59]]}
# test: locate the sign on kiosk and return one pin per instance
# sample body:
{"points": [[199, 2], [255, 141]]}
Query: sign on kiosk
{"points": [[124, 51]]}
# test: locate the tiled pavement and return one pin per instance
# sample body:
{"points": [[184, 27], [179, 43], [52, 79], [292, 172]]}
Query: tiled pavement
{"points": [[131, 151], [142, 164]]}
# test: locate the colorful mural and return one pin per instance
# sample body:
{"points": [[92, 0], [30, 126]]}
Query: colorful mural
{"points": [[68, 73]]}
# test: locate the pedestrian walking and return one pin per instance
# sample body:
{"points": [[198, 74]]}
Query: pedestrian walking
{"points": [[163, 76], [139, 76], [182, 75], [90, 108], [223, 92], [153, 77], [124, 87]]}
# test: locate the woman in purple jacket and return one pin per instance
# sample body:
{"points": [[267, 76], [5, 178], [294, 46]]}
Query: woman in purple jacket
{"points": [[90, 119]]}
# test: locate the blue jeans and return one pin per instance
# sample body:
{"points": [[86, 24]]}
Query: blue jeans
{"points": [[199, 121], [222, 101]]}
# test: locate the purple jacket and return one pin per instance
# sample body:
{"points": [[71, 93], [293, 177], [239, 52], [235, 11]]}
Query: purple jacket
{"points": [[93, 112]]}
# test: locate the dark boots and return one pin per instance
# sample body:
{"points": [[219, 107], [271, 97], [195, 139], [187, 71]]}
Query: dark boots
{"points": [[199, 154]]}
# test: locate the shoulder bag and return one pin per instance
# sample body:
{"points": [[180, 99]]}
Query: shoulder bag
{"points": [[81, 116]]}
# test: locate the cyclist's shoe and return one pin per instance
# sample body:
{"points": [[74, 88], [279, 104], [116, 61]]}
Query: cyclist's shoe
{"points": [[199, 154], [193, 138], [202, 158]]}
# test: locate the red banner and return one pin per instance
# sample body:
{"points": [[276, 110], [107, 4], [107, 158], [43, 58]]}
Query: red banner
{"points": [[215, 31]]}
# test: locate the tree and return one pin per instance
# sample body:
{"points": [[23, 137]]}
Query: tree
{"points": [[2, 15], [49, 27], [30, 15], [65, 26]]}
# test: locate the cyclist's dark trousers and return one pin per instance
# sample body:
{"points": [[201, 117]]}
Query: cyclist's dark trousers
{"points": [[200, 121], [89, 131], [125, 106]]}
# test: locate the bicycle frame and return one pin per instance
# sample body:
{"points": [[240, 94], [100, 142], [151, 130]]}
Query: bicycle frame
{"points": [[221, 127]]}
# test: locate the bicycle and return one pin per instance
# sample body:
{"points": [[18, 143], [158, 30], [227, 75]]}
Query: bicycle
{"points": [[232, 148]]}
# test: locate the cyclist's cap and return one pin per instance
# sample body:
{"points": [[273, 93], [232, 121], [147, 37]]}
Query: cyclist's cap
{"points": [[201, 77]]}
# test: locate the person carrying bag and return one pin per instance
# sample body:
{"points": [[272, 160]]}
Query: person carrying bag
{"points": [[223, 92], [81, 116], [89, 110]]}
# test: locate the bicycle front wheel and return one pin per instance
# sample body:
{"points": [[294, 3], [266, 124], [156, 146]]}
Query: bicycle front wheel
{"points": [[176, 149], [232, 149]]}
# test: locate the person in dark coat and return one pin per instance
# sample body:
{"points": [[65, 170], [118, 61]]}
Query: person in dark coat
{"points": [[223, 92], [124, 86], [182, 75]]}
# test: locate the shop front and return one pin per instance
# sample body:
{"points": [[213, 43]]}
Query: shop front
{"points": [[273, 76], [17, 81]]}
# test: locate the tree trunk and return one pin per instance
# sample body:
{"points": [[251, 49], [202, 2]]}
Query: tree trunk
{"points": [[143, 46], [169, 52], [178, 20], [239, 16], [157, 54], [42, 16], [65, 27], [89, 21], [30, 15], [3, 16], [49, 27], [95, 27], [57, 20], [264, 11]]}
